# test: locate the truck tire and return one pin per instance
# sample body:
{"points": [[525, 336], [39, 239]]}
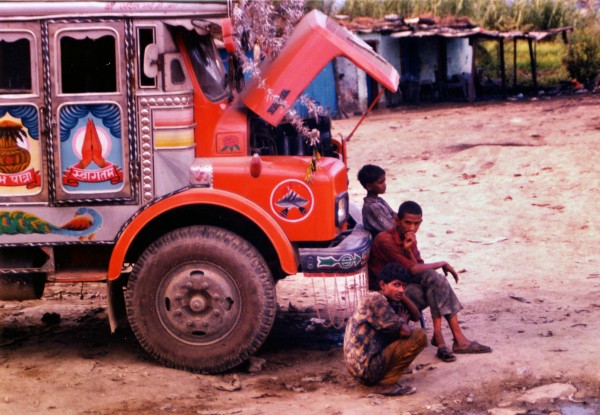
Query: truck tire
{"points": [[201, 298]]}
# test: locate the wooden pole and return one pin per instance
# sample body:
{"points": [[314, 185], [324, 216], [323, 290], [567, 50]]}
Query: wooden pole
{"points": [[471, 93], [532, 57], [502, 66], [340, 95], [514, 62]]}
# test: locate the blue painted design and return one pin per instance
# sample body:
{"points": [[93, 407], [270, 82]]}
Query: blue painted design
{"points": [[104, 116]]}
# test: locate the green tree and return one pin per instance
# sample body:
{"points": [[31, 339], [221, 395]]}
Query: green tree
{"points": [[583, 58]]}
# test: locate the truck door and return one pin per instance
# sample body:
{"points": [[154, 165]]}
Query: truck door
{"points": [[88, 97]]}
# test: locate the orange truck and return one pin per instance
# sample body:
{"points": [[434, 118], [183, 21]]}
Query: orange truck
{"points": [[126, 158]]}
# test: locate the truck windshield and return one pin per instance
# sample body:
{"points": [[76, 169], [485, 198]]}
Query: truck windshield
{"points": [[208, 66]]}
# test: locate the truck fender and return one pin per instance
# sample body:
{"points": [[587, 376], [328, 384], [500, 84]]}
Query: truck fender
{"points": [[202, 196]]}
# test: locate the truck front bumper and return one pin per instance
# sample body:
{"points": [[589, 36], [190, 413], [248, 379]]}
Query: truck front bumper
{"points": [[347, 254]]}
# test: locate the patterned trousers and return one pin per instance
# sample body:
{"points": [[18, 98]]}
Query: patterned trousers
{"points": [[431, 289]]}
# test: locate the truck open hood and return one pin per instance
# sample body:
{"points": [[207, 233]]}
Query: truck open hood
{"points": [[315, 41]]}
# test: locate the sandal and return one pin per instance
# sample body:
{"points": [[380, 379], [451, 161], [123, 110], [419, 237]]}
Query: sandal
{"points": [[472, 347], [445, 354]]}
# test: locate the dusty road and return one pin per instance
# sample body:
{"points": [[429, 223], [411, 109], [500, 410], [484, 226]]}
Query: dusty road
{"points": [[511, 192]]}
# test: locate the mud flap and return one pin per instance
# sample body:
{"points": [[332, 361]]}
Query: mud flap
{"points": [[117, 314]]}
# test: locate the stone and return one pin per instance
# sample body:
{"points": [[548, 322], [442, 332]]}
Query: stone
{"points": [[256, 364], [548, 392], [506, 411]]}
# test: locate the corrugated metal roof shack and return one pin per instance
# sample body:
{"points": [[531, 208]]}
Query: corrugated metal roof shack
{"points": [[436, 59]]}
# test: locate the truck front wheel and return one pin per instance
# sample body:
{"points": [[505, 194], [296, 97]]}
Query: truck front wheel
{"points": [[201, 298]]}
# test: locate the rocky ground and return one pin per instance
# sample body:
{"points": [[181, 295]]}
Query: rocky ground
{"points": [[510, 191]]}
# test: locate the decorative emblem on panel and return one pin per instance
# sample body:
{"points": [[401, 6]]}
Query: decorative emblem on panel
{"points": [[292, 200], [345, 261], [91, 153], [84, 225], [20, 151], [201, 173], [229, 143]]}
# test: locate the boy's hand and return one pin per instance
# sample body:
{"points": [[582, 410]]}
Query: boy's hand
{"points": [[405, 330], [410, 238], [448, 269], [404, 315]]}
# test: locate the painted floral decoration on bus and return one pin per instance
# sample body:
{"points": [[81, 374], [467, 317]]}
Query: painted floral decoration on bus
{"points": [[91, 151], [84, 225], [20, 151]]}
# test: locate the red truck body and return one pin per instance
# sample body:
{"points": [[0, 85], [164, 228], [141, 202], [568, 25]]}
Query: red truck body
{"points": [[125, 158]]}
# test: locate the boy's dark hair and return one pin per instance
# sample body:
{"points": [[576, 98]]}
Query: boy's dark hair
{"points": [[369, 173], [392, 272], [409, 207]]}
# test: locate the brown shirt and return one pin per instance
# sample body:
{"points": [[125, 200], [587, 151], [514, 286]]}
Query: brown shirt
{"points": [[387, 247]]}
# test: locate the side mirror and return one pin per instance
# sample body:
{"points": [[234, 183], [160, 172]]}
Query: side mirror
{"points": [[227, 29], [151, 60]]}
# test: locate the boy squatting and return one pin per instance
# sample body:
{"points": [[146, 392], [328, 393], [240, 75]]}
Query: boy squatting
{"points": [[379, 343]]}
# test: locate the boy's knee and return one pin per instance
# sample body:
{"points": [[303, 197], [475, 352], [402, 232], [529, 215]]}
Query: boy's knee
{"points": [[435, 279], [419, 337], [430, 276]]}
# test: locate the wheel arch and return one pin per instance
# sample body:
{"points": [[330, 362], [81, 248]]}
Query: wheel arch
{"points": [[205, 207]]}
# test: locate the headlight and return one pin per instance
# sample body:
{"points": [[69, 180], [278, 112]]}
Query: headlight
{"points": [[341, 208]]}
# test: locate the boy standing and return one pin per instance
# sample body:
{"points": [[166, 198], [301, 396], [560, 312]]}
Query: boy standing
{"points": [[377, 214], [378, 343], [399, 245]]}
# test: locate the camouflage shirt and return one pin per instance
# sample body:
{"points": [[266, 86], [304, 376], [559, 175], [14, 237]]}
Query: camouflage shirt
{"points": [[373, 326]]}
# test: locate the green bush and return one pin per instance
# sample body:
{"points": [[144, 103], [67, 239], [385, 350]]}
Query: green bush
{"points": [[583, 58]]}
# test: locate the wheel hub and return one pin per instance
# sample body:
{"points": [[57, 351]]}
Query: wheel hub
{"points": [[199, 303]]}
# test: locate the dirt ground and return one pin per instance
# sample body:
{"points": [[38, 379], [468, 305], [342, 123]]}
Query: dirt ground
{"points": [[511, 194]]}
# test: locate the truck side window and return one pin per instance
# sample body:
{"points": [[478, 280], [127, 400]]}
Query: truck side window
{"points": [[177, 75], [88, 64], [209, 68], [15, 66], [145, 37]]}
